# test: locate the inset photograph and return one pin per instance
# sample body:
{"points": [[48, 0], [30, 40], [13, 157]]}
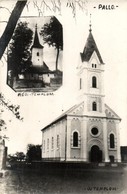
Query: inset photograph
{"points": [[35, 55]]}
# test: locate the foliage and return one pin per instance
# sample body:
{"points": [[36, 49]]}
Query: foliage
{"points": [[33, 152], [56, 6], [52, 33], [18, 156], [13, 108], [19, 57], [7, 34]]}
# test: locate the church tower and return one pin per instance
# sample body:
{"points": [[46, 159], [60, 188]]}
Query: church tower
{"points": [[91, 77], [37, 51], [102, 123]]}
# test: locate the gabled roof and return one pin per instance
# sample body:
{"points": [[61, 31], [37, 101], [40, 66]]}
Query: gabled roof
{"points": [[62, 116], [110, 113], [113, 115], [89, 48], [39, 69], [36, 42]]}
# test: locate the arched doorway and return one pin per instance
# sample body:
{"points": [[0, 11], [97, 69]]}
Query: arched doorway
{"points": [[95, 154]]}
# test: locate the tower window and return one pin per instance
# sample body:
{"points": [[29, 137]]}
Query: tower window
{"points": [[38, 54], [94, 82], [95, 66], [92, 65], [112, 141], [75, 139], [94, 106]]}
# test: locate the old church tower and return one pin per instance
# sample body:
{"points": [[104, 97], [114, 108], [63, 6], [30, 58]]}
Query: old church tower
{"points": [[37, 51]]}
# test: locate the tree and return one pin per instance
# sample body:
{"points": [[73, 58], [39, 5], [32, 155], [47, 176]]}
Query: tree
{"points": [[15, 15], [52, 33], [7, 34], [19, 57], [33, 152], [20, 156]]}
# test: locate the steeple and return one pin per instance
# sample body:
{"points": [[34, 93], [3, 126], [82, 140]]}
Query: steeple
{"points": [[90, 47], [90, 30], [36, 43]]}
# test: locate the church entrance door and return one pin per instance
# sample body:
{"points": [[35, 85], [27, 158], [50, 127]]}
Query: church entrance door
{"points": [[95, 154]]}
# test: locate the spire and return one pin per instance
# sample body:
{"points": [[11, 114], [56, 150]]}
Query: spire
{"points": [[90, 47], [90, 30], [36, 43]]}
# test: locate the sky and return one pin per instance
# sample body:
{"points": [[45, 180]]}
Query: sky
{"points": [[109, 29]]}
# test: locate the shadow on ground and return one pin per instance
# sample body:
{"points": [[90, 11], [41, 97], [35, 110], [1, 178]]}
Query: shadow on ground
{"points": [[70, 180]]}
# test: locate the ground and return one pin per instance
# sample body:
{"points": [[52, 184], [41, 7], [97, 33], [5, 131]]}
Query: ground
{"points": [[65, 181]]}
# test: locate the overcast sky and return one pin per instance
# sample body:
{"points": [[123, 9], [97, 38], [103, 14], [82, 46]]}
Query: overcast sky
{"points": [[109, 29]]}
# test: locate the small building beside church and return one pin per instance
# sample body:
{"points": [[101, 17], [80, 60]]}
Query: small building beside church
{"points": [[88, 131]]}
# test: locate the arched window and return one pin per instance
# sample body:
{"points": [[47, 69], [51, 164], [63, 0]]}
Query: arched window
{"points": [[94, 82], [94, 106], [47, 144], [112, 141], [80, 84], [52, 143], [38, 54], [75, 139]]}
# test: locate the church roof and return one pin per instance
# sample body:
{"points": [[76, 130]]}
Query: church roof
{"points": [[39, 69], [36, 42], [71, 110], [62, 116], [89, 48]]}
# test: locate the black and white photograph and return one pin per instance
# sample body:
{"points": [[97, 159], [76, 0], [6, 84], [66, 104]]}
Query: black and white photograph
{"points": [[32, 64], [63, 97]]}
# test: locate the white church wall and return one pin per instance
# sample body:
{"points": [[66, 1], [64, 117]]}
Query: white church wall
{"points": [[52, 150], [75, 152], [37, 56]]}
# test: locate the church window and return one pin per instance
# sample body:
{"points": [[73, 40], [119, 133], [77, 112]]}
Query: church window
{"points": [[112, 141], [44, 146], [92, 65], [94, 106], [80, 84], [58, 141], [52, 142], [47, 144], [75, 139], [94, 82], [95, 66], [38, 54], [94, 131]]}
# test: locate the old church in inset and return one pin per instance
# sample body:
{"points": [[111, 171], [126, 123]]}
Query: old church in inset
{"points": [[88, 131], [38, 74]]}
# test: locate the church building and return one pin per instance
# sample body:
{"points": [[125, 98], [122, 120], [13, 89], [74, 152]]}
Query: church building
{"points": [[88, 131], [39, 73], [38, 70]]}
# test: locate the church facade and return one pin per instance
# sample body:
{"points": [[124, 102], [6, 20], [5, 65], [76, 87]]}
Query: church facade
{"points": [[88, 131]]}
